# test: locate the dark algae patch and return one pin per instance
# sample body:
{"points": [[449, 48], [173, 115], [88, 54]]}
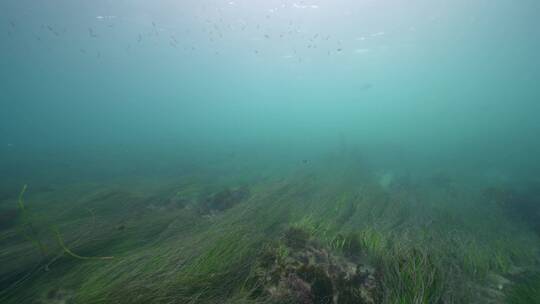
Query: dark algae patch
{"points": [[298, 269], [224, 199]]}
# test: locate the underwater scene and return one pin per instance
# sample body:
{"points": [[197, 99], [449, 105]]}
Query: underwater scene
{"points": [[270, 151]]}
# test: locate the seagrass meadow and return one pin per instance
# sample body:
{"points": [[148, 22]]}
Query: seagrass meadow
{"points": [[269, 152]]}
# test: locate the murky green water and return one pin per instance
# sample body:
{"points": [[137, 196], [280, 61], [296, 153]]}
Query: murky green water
{"points": [[223, 108]]}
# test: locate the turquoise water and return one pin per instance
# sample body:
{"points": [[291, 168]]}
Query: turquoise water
{"points": [[398, 94], [423, 85]]}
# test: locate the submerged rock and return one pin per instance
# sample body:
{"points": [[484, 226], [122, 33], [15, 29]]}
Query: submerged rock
{"points": [[299, 270]]}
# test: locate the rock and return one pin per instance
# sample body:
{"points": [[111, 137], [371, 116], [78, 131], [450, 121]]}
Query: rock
{"points": [[299, 270]]}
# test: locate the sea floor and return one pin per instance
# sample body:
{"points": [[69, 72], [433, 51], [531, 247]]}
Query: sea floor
{"points": [[304, 238]]}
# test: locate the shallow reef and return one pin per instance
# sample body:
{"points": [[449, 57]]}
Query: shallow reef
{"points": [[298, 269]]}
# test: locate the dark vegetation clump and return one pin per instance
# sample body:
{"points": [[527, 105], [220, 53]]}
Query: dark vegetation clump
{"points": [[521, 205], [224, 200], [8, 218], [346, 215], [296, 237], [320, 284]]}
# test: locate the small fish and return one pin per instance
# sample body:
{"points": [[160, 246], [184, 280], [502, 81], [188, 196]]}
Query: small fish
{"points": [[52, 30], [155, 28], [365, 86], [91, 33]]}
